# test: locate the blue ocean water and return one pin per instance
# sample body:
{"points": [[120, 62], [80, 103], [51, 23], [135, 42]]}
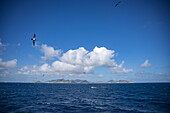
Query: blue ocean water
{"points": [[85, 98]]}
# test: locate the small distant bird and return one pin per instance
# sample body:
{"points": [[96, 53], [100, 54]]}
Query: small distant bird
{"points": [[33, 39], [117, 3]]}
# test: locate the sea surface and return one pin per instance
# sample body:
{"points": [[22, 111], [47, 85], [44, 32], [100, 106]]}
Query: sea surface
{"points": [[84, 98]]}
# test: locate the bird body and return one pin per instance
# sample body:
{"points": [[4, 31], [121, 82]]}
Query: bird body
{"points": [[33, 39]]}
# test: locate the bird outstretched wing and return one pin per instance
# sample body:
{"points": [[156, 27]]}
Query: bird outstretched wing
{"points": [[33, 42], [34, 35], [117, 3]]}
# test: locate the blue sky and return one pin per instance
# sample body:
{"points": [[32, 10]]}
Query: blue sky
{"points": [[136, 32]]}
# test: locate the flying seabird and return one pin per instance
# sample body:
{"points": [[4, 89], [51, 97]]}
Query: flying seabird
{"points": [[33, 40], [117, 3]]}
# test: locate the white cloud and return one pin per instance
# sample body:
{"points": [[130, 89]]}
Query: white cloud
{"points": [[29, 70], [56, 68], [101, 57], [146, 64], [49, 52], [75, 62], [44, 68], [69, 68], [7, 64], [98, 57], [77, 56], [119, 69]]}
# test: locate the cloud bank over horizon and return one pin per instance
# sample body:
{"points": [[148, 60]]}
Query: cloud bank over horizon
{"points": [[73, 63], [77, 62]]}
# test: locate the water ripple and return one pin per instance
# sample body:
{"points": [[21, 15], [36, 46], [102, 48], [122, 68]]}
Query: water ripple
{"points": [[81, 98]]}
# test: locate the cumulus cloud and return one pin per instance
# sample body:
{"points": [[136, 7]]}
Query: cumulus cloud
{"points": [[75, 62], [44, 68], [7, 64], [49, 52], [77, 56], [56, 68], [146, 64], [69, 68], [119, 69], [98, 57]]}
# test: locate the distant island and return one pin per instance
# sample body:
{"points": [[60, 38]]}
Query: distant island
{"points": [[78, 81], [68, 81]]}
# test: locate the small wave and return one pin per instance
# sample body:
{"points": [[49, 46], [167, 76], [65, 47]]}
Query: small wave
{"points": [[93, 87]]}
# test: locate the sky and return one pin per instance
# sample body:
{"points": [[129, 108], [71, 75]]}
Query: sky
{"points": [[85, 39]]}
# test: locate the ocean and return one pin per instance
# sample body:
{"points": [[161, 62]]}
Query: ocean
{"points": [[84, 98]]}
